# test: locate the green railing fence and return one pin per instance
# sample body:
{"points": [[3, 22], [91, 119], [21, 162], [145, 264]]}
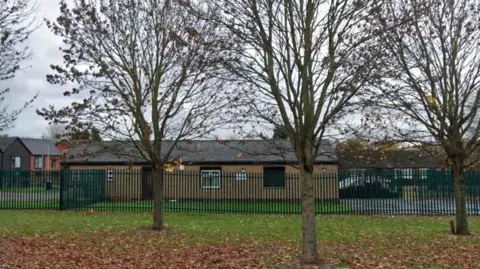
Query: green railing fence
{"points": [[425, 192], [30, 190]]}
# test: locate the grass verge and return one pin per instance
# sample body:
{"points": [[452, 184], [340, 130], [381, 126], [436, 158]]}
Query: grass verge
{"points": [[124, 240], [254, 207]]}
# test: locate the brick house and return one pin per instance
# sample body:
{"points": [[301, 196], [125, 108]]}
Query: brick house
{"points": [[247, 169], [30, 154]]}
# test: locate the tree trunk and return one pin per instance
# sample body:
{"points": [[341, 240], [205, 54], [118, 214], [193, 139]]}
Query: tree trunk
{"points": [[460, 199], [309, 233], [158, 217]]}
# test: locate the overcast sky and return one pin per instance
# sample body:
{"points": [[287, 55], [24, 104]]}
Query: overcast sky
{"points": [[32, 79], [45, 51], [44, 45]]}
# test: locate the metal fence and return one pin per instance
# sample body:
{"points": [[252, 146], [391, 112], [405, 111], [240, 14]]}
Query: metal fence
{"points": [[29, 190], [422, 192]]}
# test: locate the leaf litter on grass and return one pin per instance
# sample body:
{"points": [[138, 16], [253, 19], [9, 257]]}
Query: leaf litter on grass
{"points": [[124, 250], [102, 240], [145, 249]]}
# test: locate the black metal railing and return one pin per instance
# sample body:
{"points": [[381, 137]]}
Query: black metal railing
{"points": [[418, 192]]}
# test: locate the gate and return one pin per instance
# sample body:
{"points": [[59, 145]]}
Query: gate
{"points": [[147, 184], [81, 188]]}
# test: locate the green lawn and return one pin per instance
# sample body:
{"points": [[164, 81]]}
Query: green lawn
{"points": [[218, 226], [261, 207], [31, 189], [48, 204], [90, 239], [185, 206]]}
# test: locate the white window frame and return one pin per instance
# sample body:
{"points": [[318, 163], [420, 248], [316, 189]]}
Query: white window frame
{"points": [[75, 176], [38, 162], [358, 173], [242, 175], [52, 162], [209, 173], [423, 173], [16, 160], [406, 173], [109, 175]]}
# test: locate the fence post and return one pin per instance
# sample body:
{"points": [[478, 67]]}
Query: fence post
{"points": [[62, 187]]}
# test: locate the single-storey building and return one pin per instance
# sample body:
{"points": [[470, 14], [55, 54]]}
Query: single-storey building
{"points": [[206, 169], [400, 164]]}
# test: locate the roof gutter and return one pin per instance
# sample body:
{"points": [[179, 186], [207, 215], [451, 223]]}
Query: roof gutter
{"points": [[67, 163]]}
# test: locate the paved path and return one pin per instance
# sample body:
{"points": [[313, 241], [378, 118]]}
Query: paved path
{"points": [[44, 196], [410, 206]]}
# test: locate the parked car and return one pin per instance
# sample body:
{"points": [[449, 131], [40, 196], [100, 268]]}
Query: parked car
{"points": [[367, 187], [362, 181]]}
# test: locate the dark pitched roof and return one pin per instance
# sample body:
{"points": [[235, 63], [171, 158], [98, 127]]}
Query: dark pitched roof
{"points": [[388, 159], [40, 146], [5, 142], [197, 151]]}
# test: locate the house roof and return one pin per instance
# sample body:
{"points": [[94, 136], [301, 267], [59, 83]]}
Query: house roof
{"points": [[40, 146], [197, 151], [64, 141], [388, 159], [5, 142]]}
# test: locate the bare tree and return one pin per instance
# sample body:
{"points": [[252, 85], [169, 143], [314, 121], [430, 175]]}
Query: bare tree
{"points": [[146, 70], [16, 25], [56, 132], [351, 145], [302, 62], [279, 133], [432, 81]]}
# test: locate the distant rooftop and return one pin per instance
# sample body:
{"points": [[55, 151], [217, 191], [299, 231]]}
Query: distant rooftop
{"points": [[5, 142], [388, 159], [197, 151], [40, 146]]}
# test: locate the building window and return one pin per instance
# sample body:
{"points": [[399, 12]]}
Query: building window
{"points": [[274, 177], [16, 162], [210, 179], [357, 173], [405, 173], [110, 175], [242, 175], [38, 162], [423, 173], [75, 176], [53, 164]]}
